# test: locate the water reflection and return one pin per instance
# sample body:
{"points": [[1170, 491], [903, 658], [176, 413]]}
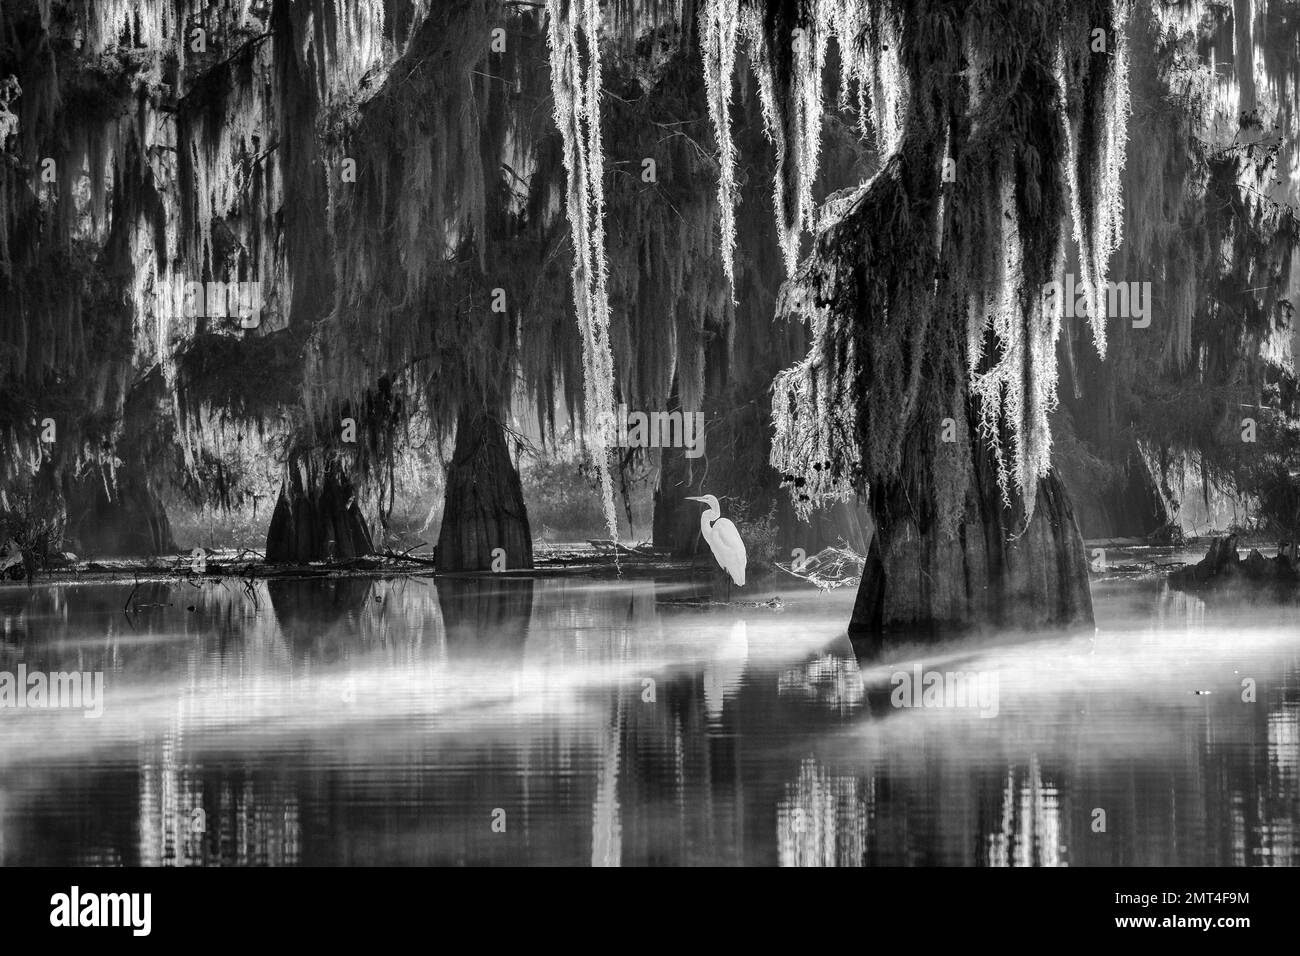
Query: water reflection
{"points": [[486, 617], [507, 720]]}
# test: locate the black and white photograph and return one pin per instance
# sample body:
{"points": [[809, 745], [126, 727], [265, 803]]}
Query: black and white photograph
{"points": [[650, 433]]}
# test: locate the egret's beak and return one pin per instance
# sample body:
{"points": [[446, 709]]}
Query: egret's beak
{"points": [[692, 498]]}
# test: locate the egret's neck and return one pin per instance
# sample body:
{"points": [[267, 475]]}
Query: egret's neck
{"points": [[706, 520]]}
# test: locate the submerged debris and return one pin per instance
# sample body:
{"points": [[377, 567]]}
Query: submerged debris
{"points": [[1224, 564], [774, 603], [829, 568]]}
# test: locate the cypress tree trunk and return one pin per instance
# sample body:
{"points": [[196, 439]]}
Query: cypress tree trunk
{"points": [[484, 509], [124, 518], [1129, 505], [945, 312], [676, 522], [316, 518], [918, 583]]}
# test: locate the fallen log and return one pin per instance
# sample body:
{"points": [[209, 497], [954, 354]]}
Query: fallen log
{"points": [[406, 556]]}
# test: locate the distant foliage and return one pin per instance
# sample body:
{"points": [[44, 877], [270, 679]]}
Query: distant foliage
{"points": [[33, 521], [758, 530]]}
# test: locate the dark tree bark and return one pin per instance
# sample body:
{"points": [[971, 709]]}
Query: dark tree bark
{"points": [[894, 346], [1221, 563], [316, 518], [484, 510], [676, 522], [122, 517], [918, 583], [1128, 504]]}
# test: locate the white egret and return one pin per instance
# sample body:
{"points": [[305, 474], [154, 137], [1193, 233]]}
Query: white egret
{"points": [[724, 540]]}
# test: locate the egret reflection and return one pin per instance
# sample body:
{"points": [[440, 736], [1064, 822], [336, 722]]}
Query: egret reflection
{"points": [[309, 721]]}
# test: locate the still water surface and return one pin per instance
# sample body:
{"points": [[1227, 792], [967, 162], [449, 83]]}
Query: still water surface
{"points": [[567, 721]]}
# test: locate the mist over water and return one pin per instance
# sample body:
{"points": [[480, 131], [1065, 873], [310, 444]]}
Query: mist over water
{"points": [[358, 721]]}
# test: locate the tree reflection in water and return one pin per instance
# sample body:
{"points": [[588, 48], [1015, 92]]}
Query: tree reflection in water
{"points": [[369, 720]]}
